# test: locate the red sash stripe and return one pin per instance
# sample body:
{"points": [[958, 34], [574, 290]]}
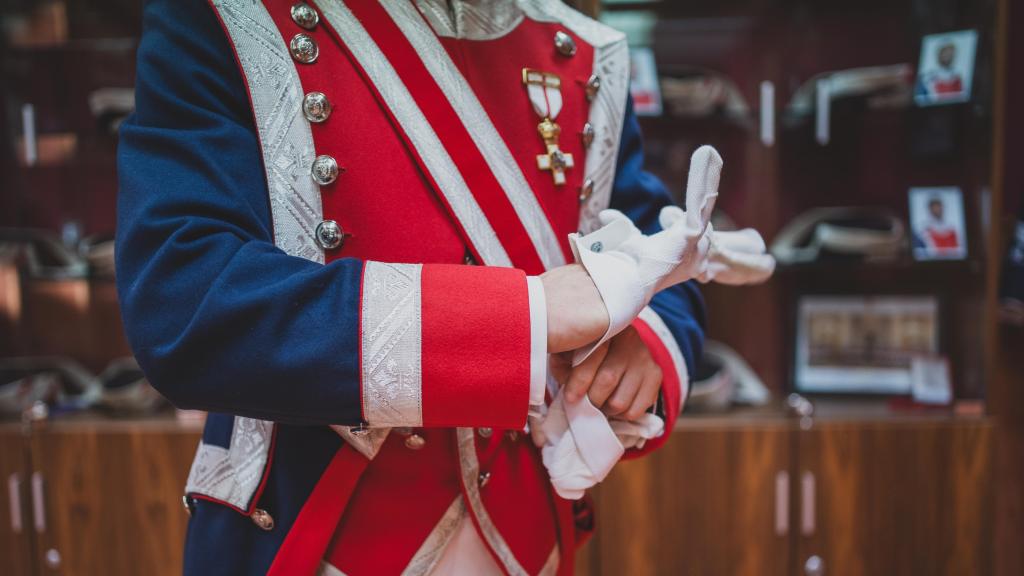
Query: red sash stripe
{"points": [[449, 128]]}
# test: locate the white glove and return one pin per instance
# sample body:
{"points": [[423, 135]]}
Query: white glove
{"points": [[628, 268], [737, 258], [580, 445]]}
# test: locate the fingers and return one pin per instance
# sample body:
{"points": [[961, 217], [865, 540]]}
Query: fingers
{"points": [[583, 375], [702, 183], [625, 393], [646, 396], [610, 374]]}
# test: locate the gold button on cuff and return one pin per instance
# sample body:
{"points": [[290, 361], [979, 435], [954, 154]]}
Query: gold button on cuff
{"points": [[512, 435], [587, 135], [415, 442], [324, 170], [586, 190], [304, 49], [262, 519], [305, 15], [593, 86], [484, 432], [316, 107], [330, 236], [565, 45]]}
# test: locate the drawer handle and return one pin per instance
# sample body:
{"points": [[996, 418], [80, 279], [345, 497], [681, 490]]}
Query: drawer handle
{"points": [[767, 113], [781, 503], [807, 514], [38, 503], [14, 492]]}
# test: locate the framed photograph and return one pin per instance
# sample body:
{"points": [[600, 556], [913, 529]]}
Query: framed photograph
{"points": [[947, 68], [644, 87], [937, 223], [863, 344]]}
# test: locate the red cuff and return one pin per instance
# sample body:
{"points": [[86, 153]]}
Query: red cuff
{"points": [[445, 345]]}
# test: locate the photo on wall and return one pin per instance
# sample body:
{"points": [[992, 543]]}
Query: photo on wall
{"points": [[937, 223], [947, 68]]}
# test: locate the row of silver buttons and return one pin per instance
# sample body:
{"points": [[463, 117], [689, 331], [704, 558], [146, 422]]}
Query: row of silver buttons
{"points": [[316, 107]]}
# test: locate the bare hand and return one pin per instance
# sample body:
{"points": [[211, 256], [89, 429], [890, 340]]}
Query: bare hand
{"points": [[621, 377], [576, 313]]}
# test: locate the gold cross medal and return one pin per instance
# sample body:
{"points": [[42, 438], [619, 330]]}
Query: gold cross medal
{"points": [[544, 90]]}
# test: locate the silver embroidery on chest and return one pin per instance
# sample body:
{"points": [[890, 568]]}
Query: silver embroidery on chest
{"points": [[392, 345], [285, 138]]}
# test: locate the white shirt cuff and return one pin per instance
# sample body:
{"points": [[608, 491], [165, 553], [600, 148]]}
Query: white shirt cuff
{"points": [[538, 339]]}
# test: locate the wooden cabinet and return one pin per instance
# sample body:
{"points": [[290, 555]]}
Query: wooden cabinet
{"points": [[682, 509], [896, 498], [98, 497], [15, 520], [874, 496]]}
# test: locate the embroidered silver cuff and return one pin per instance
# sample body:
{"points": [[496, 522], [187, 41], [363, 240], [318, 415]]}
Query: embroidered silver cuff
{"points": [[392, 370]]}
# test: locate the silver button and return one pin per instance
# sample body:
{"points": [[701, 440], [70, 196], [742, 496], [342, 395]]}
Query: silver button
{"points": [[324, 170], [593, 85], [586, 190], [304, 48], [304, 15], [484, 432], [360, 430], [587, 135], [263, 519], [597, 247], [330, 236], [484, 478], [565, 44], [316, 107], [415, 442]]}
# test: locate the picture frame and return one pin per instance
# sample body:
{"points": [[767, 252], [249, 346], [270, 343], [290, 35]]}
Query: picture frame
{"points": [[946, 69], [937, 224], [862, 344]]}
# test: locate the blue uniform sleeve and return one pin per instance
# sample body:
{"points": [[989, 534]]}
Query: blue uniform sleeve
{"points": [[641, 196], [218, 317]]}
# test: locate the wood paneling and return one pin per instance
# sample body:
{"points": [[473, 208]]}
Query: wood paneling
{"points": [[113, 497], [704, 504], [899, 498], [15, 541]]}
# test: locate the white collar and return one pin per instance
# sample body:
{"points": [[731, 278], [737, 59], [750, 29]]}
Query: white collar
{"points": [[471, 19]]}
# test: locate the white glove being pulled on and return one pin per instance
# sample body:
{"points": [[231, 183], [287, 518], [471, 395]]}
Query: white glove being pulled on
{"points": [[628, 267]]}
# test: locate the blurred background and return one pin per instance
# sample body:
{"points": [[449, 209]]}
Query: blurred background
{"points": [[862, 413]]}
